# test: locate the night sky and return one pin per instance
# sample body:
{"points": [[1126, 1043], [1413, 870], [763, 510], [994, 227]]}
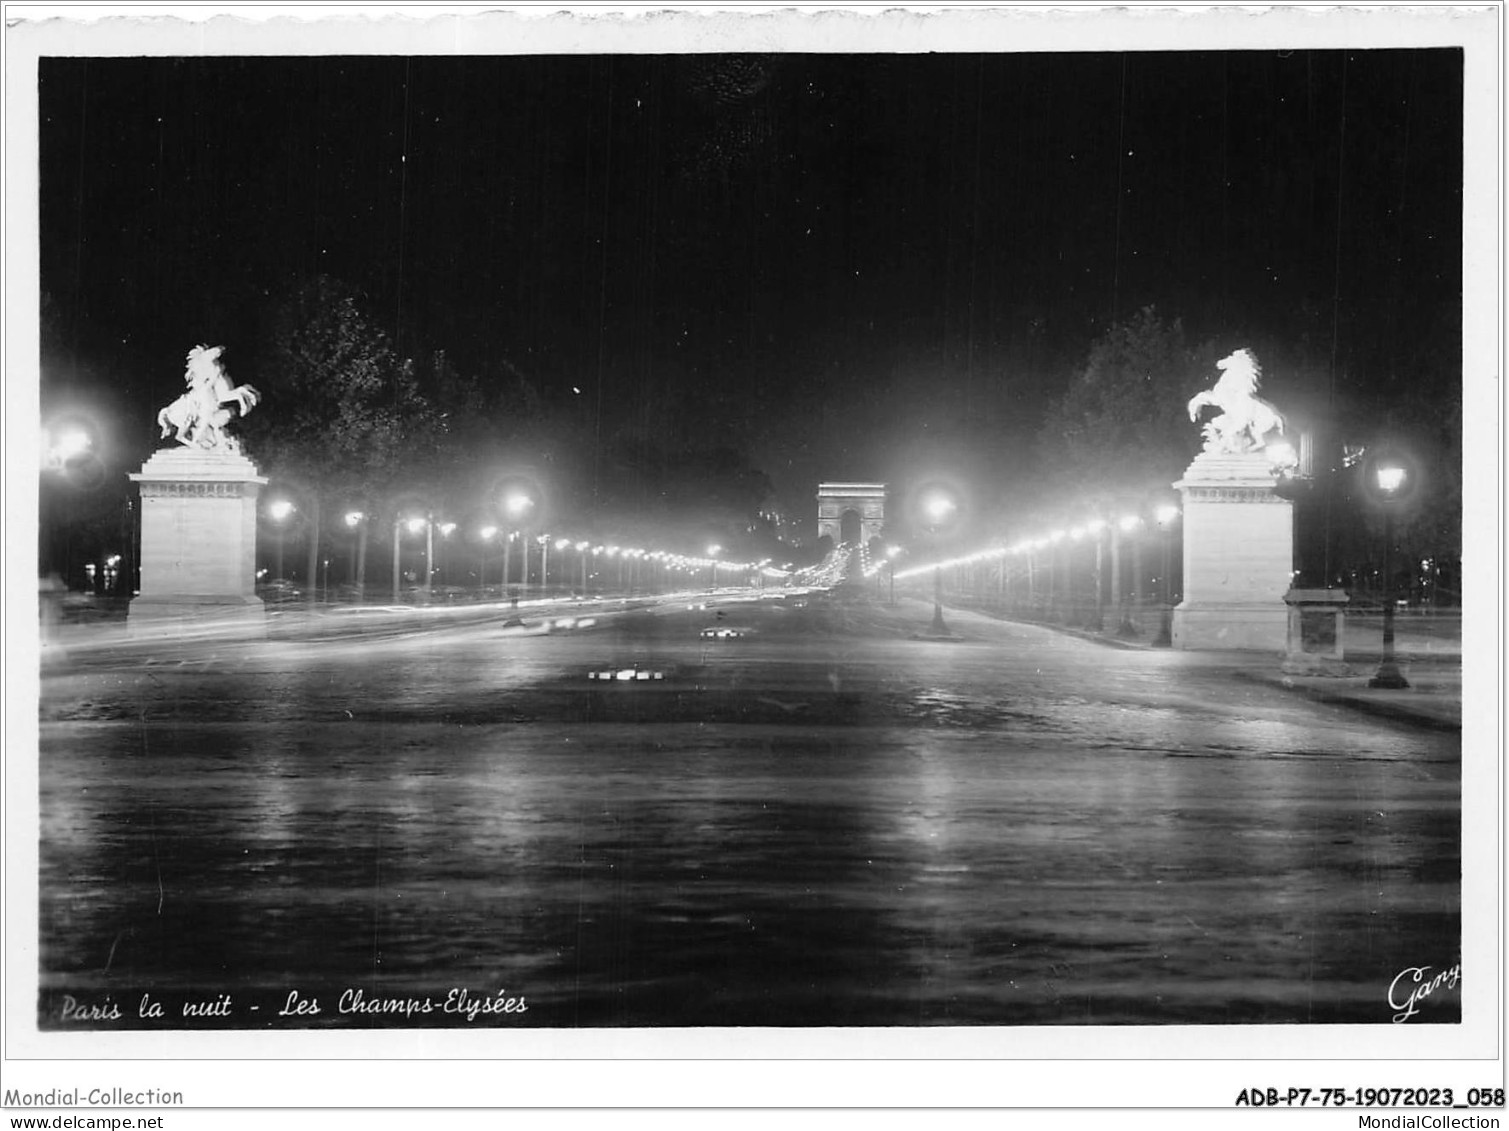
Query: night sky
{"points": [[851, 265]]}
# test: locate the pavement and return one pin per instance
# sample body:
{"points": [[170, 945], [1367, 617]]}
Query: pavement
{"points": [[1427, 652]]}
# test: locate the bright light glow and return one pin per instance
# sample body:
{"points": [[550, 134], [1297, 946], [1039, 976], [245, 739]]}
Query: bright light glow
{"points": [[446, 528], [1166, 514], [1281, 454], [487, 532], [1095, 525], [1057, 536], [712, 551], [583, 545], [1077, 533], [1391, 477], [938, 507], [516, 504], [280, 509], [415, 525], [1129, 523], [563, 543], [71, 442], [353, 517]]}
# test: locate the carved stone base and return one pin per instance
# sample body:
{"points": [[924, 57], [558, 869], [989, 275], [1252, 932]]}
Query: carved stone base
{"points": [[1231, 627], [1238, 555], [198, 542]]}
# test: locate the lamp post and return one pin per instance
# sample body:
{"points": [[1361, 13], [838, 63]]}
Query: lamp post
{"points": [[1127, 526], [1391, 480], [356, 523], [415, 525], [582, 548], [397, 567], [892, 553], [487, 534], [1095, 527], [939, 509], [1166, 515], [446, 530], [712, 553], [279, 510]]}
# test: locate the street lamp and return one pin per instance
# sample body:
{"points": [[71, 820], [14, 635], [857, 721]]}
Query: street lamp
{"points": [[356, 523], [1094, 528], [517, 505], [486, 534], [1390, 479], [1166, 515], [67, 443], [279, 510], [892, 553], [712, 552], [1126, 527], [939, 509], [582, 548], [544, 541]]}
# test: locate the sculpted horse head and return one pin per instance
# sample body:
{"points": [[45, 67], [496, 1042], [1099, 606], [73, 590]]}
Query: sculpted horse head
{"points": [[197, 415], [1245, 419]]}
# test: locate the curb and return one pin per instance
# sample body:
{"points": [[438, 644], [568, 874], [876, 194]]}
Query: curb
{"points": [[1381, 708]]}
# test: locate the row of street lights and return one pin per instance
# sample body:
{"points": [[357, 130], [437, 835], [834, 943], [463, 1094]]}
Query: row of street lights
{"points": [[518, 507], [1033, 551]]}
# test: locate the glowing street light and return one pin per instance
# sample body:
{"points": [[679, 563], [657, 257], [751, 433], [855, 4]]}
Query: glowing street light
{"points": [[1390, 480], [279, 510], [544, 541], [1165, 516], [356, 523], [414, 526], [940, 508], [68, 444]]}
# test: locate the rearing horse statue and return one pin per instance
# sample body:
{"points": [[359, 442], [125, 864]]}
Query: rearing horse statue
{"points": [[197, 419]]}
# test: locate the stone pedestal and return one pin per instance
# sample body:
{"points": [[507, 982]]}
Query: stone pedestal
{"points": [[1238, 556], [198, 543], [1316, 645]]}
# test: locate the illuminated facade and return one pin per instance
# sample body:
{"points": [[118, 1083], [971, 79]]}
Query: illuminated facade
{"points": [[866, 501]]}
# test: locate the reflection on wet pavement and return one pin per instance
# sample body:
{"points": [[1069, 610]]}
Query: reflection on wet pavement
{"points": [[815, 830]]}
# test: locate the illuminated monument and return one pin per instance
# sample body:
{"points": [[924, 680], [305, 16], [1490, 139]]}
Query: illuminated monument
{"points": [[850, 504], [1238, 532], [199, 511], [853, 513]]}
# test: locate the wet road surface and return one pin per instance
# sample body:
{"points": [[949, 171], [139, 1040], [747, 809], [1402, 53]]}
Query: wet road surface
{"points": [[821, 822]]}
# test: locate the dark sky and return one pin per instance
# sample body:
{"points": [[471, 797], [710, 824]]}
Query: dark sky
{"points": [[854, 263]]}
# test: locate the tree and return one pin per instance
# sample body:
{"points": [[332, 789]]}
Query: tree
{"points": [[342, 414], [1122, 425]]}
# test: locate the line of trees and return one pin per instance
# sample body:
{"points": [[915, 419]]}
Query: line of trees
{"points": [[1119, 436], [349, 425]]}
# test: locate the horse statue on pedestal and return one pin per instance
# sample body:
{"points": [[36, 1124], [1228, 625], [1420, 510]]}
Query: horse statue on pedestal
{"points": [[197, 419], [1246, 420]]}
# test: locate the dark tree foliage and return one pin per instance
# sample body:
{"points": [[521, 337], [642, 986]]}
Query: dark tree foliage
{"points": [[1121, 428], [342, 420]]}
